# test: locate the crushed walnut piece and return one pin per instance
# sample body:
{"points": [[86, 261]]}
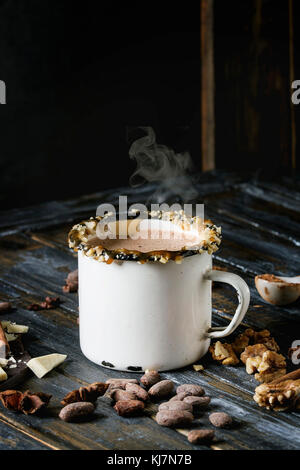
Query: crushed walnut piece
{"points": [[227, 353], [198, 367], [262, 337], [252, 357], [240, 343], [27, 403], [281, 394], [224, 353], [251, 337], [272, 366], [267, 364], [89, 393]]}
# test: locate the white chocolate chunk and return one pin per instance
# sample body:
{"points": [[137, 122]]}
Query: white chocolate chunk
{"points": [[40, 366], [3, 375], [13, 327], [3, 362], [10, 337]]}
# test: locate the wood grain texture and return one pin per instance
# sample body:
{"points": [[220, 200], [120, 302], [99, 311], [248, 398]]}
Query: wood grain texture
{"points": [[252, 61], [260, 222], [12, 438], [292, 78], [207, 85]]}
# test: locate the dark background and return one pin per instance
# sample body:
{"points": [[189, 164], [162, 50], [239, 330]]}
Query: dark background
{"points": [[78, 75]]}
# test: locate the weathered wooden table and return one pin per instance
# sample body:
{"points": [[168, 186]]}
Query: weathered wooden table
{"points": [[261, 225]]}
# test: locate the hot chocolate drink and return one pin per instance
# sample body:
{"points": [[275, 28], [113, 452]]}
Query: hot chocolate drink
{"points": [[148, 235]]}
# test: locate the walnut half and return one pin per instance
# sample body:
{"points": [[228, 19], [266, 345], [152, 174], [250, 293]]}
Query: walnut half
{"points": [[280, 396]]}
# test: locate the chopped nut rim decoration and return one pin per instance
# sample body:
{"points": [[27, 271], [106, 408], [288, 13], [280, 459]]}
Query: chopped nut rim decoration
{"points": [[82, 234]]}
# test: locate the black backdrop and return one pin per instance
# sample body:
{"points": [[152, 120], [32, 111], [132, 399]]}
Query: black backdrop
{"points": [[77, 75]]}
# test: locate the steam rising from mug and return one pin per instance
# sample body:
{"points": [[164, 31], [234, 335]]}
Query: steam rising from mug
{"points": [[158, 163]]}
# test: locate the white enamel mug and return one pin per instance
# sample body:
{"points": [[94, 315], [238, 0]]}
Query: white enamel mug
{"points": [[135, 317]]}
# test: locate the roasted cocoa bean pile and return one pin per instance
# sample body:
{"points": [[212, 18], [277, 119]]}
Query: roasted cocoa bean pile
{"points": [[129, 399]]}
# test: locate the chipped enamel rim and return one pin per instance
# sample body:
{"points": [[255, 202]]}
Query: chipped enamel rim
{"points": [[82, 233]]}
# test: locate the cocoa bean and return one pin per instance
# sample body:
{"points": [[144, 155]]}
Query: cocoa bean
{"points": [[71, 282], [161, 389], [5, 307], [195, 390], [70, 287], [175, 406], [140, 393], [120, 383], [119, 394], [150, 378], [201, 436], [113, 387], [197, 402], [73, 276], [220, 419], [180, 396], [174, 418], [76, 411], [129, 408]]}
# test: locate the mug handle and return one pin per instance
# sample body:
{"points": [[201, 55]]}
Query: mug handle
{"points": [[243, 294]]}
